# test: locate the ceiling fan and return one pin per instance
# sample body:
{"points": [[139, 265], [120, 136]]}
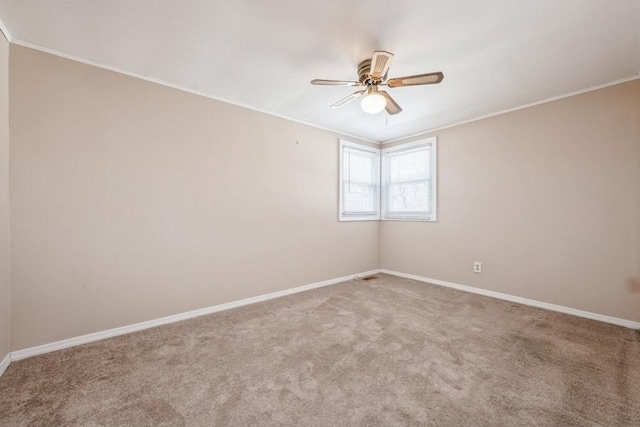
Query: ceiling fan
{"points": [[372, 73]]}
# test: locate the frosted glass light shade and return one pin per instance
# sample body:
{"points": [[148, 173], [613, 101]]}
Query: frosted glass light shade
{"points": [[373, 103]]}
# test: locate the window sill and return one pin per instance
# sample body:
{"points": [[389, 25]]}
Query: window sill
{"points": [[410, 218]]}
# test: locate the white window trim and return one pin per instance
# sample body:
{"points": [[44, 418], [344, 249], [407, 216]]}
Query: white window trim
{"points": [[359, 217], [432, 217], [381, 184]]}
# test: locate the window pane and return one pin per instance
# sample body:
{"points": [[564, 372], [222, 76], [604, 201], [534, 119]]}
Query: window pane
{"points": [[358, 197], [410, 166], [359, 182], [409, 197], [358, 166]]}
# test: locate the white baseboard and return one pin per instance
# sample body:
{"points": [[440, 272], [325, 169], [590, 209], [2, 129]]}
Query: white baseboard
{"points": [[84, 339], [526, 301], [5, 363]]}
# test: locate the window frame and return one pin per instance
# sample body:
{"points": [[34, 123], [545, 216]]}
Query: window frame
{"points": [[385, 184], [359, 216], [381, 183]]}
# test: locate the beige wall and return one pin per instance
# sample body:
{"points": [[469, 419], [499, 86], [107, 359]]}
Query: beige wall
{"points": [[4, 196], [547, 198], [132, 201]]}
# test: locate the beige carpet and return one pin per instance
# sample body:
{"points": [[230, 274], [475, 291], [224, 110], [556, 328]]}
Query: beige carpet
{"points": [[386, 352]]}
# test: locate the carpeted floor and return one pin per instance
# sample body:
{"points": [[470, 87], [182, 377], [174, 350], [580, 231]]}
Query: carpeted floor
{"points": [[386, 352]]}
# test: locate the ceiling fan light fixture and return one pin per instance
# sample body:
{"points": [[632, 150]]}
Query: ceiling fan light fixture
{"points": [[373, 103]]}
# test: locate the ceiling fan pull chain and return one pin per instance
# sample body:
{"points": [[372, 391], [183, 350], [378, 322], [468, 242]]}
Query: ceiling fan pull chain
{"points": [[386, 118]]}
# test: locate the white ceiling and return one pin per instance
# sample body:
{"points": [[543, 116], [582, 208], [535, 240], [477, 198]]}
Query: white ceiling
{"points": [[495, 54]]}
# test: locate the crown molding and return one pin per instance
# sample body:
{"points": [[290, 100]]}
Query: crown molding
{"points": [[5, 31], [510, 110], [339, 134], [119, 70]]}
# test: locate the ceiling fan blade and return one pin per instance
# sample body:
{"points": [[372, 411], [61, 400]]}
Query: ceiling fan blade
{"points": [[322, 82], [418, 79], [392, 106], [380, 62], [348, 99]]}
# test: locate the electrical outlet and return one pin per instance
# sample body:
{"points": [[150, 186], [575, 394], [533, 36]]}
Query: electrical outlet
{"points": [[477, 267]]}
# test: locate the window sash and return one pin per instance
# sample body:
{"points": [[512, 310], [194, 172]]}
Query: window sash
{"points": [[349, 209], [388, 185]]}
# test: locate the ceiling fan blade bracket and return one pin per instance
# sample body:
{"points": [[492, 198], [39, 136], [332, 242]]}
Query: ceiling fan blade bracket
{"points": [[380, 63], [323, 82]]}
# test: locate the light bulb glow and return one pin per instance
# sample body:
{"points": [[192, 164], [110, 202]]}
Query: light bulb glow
{"points": [[373, 103]]}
